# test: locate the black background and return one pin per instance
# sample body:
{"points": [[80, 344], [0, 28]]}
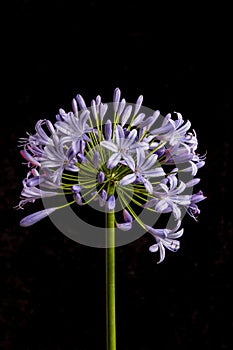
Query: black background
{"points": [[53, 289]]}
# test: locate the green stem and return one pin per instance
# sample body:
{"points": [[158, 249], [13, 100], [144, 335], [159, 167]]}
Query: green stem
{"points": [[110, 281]]}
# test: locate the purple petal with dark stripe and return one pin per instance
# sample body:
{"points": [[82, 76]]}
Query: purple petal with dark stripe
{"points": [[114, 160], [150, 161], [130, 162]]}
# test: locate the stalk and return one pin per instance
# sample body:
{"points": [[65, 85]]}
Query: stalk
{"points": [[110, 282]]}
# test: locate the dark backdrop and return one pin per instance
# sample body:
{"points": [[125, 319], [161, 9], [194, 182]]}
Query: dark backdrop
{"points": [[53, 289]]}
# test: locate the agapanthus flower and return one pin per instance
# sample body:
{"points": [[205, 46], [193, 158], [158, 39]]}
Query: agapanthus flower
{"points": [[115, 153]]}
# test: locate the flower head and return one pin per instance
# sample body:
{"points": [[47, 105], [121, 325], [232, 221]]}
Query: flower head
{"points": [[119, 156]]}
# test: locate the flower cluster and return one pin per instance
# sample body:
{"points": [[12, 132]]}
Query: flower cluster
{"points": [[106, 152]]}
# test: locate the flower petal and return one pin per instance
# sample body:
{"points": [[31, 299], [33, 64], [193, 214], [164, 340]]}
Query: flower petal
{"points": [[130, 161], [198, 197], [78, 198], [109, 145], [121, 107], [126, 115], [120, 135], [161, 252], [111, 203], [138, 104], [101, 177], [29, 158], [125, 226], [140, 156], [157, 233], [35, 217], [128, 179], [34, 181], [171, 244], [138, 119], [116, 99], [76, 188], [161, 206], [114, 160], [154, 172], [81, 102], [154, 248], [127, 216], [108, 130], [148, 185]]}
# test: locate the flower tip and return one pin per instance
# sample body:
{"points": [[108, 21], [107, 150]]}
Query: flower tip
{"points": [[125, 226], [117, 91], [116, 99], [74, 106], [81, 102], [111, 202]]}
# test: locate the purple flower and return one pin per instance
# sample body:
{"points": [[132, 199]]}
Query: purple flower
{"points": [[142, 170], [122, 147], [165, 238], [124, 162]]}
